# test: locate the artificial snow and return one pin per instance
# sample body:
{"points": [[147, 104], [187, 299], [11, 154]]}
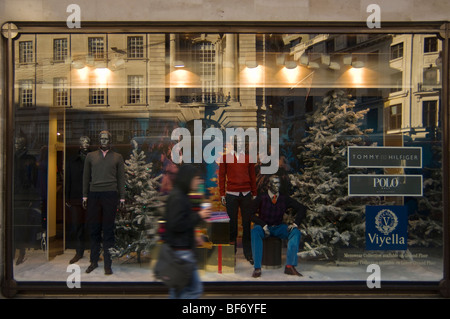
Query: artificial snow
{"points": [[416, 265]]}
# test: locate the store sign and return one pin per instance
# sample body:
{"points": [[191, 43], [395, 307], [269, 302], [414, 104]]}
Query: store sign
{"points": [[385, 157], [385, 185], [386, 227]]}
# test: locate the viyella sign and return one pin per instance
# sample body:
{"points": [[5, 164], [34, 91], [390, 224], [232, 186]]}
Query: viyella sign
{"points": [[386, 227]]}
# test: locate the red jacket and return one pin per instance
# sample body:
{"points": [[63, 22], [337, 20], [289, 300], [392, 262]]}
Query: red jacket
{"points": [[239, 177]]}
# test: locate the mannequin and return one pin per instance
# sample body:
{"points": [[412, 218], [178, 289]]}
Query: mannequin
{"points": [[74, 194], [25, 195], [270, 208], [237, 187], [103, 186]]}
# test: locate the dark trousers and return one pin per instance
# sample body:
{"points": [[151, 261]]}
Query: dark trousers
{"points": [[101, 213], [77, 219], [244, 203]]}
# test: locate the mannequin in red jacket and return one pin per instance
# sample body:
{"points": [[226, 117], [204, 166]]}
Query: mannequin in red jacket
{"points": [[237, 186]]}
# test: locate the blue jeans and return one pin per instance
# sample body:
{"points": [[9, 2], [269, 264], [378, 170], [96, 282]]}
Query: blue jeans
{"points": [[194, 289], [280, 231]]}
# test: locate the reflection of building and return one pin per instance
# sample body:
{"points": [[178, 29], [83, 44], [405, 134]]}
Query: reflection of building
{"points": [[145, 84], [396, 76], [413, 104], [134, 82]]}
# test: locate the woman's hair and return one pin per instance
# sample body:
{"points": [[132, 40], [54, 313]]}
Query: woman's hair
{"points": [[184, 177]]}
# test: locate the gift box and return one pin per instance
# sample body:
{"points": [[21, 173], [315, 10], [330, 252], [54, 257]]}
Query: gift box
{"points": [[221, 259], [201, 254], [218, 228]]}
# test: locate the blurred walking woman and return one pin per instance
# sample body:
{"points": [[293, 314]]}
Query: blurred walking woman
{"points": [[180, 226]]}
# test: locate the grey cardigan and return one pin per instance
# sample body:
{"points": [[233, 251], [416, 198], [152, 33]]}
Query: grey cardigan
{"points": [[102, 174]]}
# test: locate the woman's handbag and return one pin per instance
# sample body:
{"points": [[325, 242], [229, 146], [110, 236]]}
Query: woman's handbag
{"points": [[173, 271]]}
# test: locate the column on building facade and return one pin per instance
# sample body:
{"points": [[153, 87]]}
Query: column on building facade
{"points": [[157, 69], [172, 57], [230, 67]]}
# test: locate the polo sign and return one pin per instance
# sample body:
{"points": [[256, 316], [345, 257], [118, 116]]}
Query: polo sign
{"points": [[385, 185], [386, 227]]}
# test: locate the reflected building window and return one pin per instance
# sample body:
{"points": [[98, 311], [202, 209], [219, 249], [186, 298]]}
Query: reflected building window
{"points": [[96, 48], [60, 92], [97, 96], [26, 52], [430, 45], [135, 47], [59, 50], [395, 117], [429, 113], [135, 92], [397, 51], [26, 93]]}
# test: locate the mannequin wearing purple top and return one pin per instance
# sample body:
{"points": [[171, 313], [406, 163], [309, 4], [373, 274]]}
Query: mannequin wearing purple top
{"points": [[268, 218]]}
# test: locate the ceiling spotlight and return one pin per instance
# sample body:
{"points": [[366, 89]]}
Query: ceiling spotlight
{"points": [[348, 60], [290, 64], [178, 64], [251, 64]]}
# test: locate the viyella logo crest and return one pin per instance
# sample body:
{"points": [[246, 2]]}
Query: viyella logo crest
{"points": [[386, 227], [386, 221]]}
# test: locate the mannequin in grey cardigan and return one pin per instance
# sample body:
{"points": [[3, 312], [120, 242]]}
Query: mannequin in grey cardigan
{"points": [[103, 189]]}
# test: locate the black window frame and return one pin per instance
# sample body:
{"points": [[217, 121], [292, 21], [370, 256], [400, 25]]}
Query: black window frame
{"points": [[12, 288]]}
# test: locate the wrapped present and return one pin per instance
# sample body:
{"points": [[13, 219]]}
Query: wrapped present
{"points": [[218, 232], [218, 228], [201, 254], [219, 217], [221, 259]]}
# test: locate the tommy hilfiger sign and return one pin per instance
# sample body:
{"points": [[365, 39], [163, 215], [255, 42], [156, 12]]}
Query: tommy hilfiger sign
{"points": [[387, 156], [386, 227]]}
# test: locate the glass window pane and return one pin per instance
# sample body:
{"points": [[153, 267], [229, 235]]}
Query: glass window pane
{"points": [[324, 112]]}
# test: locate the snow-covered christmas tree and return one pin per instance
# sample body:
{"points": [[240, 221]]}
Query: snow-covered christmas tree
{"points": [[137, 224], [425, 226], [334, 219]]}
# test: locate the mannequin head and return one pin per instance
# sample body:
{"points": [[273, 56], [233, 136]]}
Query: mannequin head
{"points": [[85, 142], [20, 143], [105, 140], [274, 184]]}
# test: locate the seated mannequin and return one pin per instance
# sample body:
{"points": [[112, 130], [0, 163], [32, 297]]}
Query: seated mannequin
{"points": [[268, 218]]}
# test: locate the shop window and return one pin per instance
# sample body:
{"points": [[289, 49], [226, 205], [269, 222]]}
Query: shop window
{"points": [[135, 47], [59, 50], [232, 81], [397, 51], [26, 51]]}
